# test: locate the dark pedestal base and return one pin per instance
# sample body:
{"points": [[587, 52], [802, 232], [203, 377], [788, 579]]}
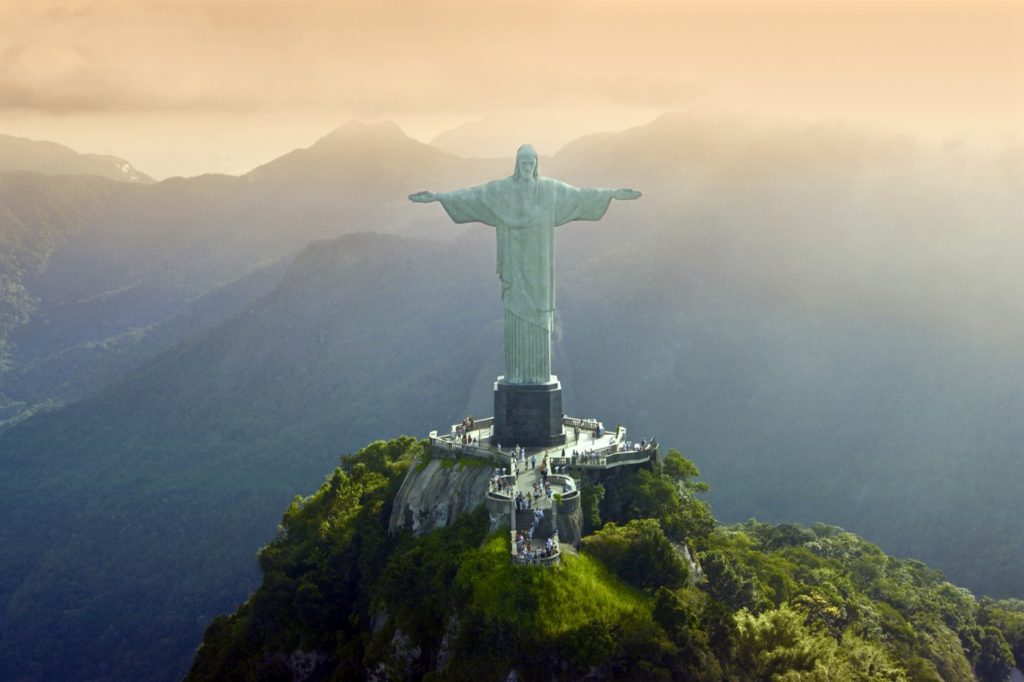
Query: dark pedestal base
{"points": [[528, 414]]}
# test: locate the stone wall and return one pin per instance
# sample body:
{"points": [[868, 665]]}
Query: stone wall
{"points": [[570, 519]]}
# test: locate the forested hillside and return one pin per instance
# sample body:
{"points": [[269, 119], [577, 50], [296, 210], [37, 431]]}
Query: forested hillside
{"points": [[340, 599], [37, 216]]}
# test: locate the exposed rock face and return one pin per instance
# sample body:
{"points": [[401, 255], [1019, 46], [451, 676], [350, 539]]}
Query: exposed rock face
{"points": [[434, 496], [298, 666], [303, 664], [404, 655], [696, 572], [451, 631]]}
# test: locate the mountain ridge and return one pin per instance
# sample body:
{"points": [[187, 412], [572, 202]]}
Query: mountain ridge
{"points": [[52, 158]]}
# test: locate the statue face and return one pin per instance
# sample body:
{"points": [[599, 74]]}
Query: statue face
{"points": [[527, 164]]}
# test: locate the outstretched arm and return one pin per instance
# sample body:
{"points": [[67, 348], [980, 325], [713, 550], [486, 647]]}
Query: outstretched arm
{"points": [[470, 205], [574, 203]]}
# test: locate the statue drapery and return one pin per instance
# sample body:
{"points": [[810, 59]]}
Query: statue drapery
{"points": [[524, 213]]}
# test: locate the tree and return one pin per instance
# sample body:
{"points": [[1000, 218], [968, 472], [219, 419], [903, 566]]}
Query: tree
{"points": [[591, 497], [728, 583], [988, 652], [639, 553], [668, 493], [776, 642]]}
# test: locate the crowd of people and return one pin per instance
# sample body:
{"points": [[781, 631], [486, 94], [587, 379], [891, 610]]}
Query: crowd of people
{"points": [[503, 485], [506, 485], [630, 446], [587, 456], [524, 550], [464, 432], [592, 456]]}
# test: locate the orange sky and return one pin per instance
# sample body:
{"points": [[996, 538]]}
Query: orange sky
{"points": [[191, 86]]}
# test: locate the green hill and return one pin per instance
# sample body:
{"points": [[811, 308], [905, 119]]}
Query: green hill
{"points": [[340, 599]]}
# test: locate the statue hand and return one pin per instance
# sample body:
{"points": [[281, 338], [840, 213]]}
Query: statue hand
{"points": [[423, 197], [625, 194]]}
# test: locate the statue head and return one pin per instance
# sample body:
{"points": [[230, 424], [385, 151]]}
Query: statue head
{"points": [[526, 153]]}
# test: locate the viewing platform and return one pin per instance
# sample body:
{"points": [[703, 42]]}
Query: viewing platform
{"points": [[588, 445], [533, 485]]}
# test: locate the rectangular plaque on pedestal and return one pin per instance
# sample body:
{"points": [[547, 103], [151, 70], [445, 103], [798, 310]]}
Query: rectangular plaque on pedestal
{"points": [[529, 415]]}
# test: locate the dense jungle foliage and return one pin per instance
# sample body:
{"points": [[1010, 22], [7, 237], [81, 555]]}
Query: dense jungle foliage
{"points": [[341, 599]]}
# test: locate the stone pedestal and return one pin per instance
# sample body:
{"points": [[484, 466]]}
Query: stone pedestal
{"points": [[528, 414]]}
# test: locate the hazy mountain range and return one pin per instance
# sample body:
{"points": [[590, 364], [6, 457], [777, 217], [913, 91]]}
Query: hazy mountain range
{"points": [[50, 158], [827, 322], [95, 267]]}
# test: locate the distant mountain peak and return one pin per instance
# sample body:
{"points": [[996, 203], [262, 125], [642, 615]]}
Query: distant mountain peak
{"points": [[51, 158], [358, 129], [347, 150]]}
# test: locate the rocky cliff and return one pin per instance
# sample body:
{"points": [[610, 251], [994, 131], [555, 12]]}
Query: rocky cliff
{"points": [[434, 495]]}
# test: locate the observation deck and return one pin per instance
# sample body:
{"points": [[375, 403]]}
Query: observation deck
{"points": [[533, 485]]}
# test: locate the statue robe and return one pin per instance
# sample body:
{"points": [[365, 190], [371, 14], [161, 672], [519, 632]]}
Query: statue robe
{"points": [[525, 214]]}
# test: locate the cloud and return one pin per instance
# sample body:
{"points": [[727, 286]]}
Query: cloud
{"points": [[959, 61], [60, 79]]}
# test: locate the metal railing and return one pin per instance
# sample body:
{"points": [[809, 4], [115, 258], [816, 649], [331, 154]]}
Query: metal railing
{"points": [[568, 483], [602, 457], [607, 457], [588, 424], [507, 482], [544, 562], [478, 424], [441, 446]]}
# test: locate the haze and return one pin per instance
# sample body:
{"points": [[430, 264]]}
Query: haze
{"points": [[195, 86]]}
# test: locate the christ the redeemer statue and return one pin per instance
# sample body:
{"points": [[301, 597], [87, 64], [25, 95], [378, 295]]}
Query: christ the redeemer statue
{"points": [[525, 209]]}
